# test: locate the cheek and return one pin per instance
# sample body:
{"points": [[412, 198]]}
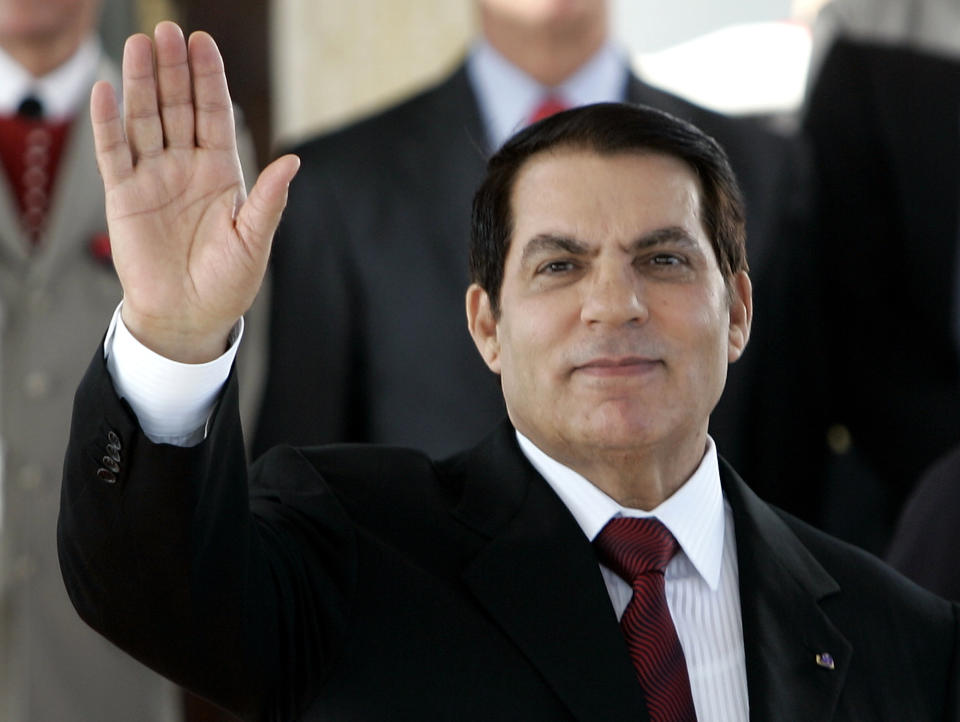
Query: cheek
{"points": [[713, 353], [527, 353], [518, 357], [529, 337], [699, 332]]}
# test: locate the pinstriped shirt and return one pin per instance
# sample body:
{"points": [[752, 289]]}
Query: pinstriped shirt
{"points": [[701, 580]]}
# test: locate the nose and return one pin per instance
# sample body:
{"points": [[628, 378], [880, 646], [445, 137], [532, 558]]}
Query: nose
{"points": [[613, 295]]}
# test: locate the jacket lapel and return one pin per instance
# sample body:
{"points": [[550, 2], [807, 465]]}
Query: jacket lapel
{"points": [[77, 205], [13, 241], [537, 576], [784, 627]]}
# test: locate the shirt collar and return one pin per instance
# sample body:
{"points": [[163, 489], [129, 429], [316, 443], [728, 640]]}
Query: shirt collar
{"points": [[61, 91], [693, 514], [508, 96]]}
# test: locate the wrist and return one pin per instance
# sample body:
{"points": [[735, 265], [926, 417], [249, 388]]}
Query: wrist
{"points": [[180, 342]]}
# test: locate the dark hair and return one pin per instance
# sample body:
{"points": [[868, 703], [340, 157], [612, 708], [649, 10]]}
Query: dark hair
{"points": [[606, 128]]}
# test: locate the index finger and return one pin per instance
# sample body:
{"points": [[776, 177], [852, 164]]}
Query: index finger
{"points": [[113, 152]]}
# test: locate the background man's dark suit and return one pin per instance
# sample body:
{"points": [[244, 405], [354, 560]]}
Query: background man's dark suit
{"points": [[372, 583], [369, 270], [860, 389]]}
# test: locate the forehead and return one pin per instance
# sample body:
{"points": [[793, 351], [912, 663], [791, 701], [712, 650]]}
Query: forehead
{"points": [[596, 196]]}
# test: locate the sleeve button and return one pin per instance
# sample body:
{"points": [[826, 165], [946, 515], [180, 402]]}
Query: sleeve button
{"points": [[113, 452], [106, 475]]}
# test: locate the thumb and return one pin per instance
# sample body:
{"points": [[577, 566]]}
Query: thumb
{"points": [[260, 213]]}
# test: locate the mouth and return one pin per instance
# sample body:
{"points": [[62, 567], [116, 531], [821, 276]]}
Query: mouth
{"points": [[618, 367]]}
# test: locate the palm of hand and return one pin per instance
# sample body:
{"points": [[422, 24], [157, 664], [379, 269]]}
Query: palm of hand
{"points": [[190, 249], [188, 198]]}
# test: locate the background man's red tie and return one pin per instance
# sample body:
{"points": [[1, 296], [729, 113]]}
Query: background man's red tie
{"points": [[638, 550], [30, 149], [548, 106]]}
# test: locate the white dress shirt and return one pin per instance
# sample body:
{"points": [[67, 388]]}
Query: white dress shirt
{"points": [[507, 96], [61, 92], [702, 579], [173, 402]]}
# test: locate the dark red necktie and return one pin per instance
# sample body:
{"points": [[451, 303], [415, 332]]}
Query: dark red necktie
{"points": [[548, 106], [638, 550], [30, 149]]}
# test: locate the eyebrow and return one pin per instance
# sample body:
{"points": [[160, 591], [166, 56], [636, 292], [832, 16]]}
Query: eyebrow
{"points": [[662, 236], [552, 242]]}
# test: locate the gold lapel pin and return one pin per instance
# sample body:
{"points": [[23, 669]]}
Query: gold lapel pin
{"points": [[825, 660]]}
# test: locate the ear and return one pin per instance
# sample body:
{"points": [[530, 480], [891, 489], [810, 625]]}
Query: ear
{"points": [[483, 326], [741, 315]]}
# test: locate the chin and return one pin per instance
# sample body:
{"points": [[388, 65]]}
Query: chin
{"points": [[617, 430]]}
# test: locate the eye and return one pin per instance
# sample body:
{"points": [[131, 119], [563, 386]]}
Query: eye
{"points": [[666, 259], [556, 267]]}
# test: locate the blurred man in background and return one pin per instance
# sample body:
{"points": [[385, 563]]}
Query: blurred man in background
{"points": [[861, 352], [56, 282]]}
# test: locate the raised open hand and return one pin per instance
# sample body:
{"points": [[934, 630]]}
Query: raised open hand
{"points": [[189, 247]]}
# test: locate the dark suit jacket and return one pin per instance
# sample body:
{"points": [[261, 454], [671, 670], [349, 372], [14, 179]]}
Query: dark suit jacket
{"points": [[369, 271], [861, 385], [928, 533], [371, 583]]}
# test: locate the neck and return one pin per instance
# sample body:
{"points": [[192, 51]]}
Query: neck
{"points": [[548, 55], [39, 60], [639, 478], [40, 52]]}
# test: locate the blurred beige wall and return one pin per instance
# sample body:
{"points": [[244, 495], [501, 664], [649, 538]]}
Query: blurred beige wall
{"points": [[149, 12], [334, 60]]}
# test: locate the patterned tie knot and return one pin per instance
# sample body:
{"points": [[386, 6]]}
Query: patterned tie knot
{"points": [[634, 547]]}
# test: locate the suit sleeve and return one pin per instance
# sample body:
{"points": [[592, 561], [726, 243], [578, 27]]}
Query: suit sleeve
{"points": [[167, 554]]}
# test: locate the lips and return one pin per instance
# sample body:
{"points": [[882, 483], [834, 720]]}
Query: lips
{"points": [[619, 366]]}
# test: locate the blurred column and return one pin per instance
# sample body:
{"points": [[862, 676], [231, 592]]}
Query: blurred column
{"points": [[149, 12], [241, 29], [334, 60], [118, 19]]}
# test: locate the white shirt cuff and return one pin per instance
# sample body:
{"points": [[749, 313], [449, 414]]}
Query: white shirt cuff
{"points": [[173, 401]]}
